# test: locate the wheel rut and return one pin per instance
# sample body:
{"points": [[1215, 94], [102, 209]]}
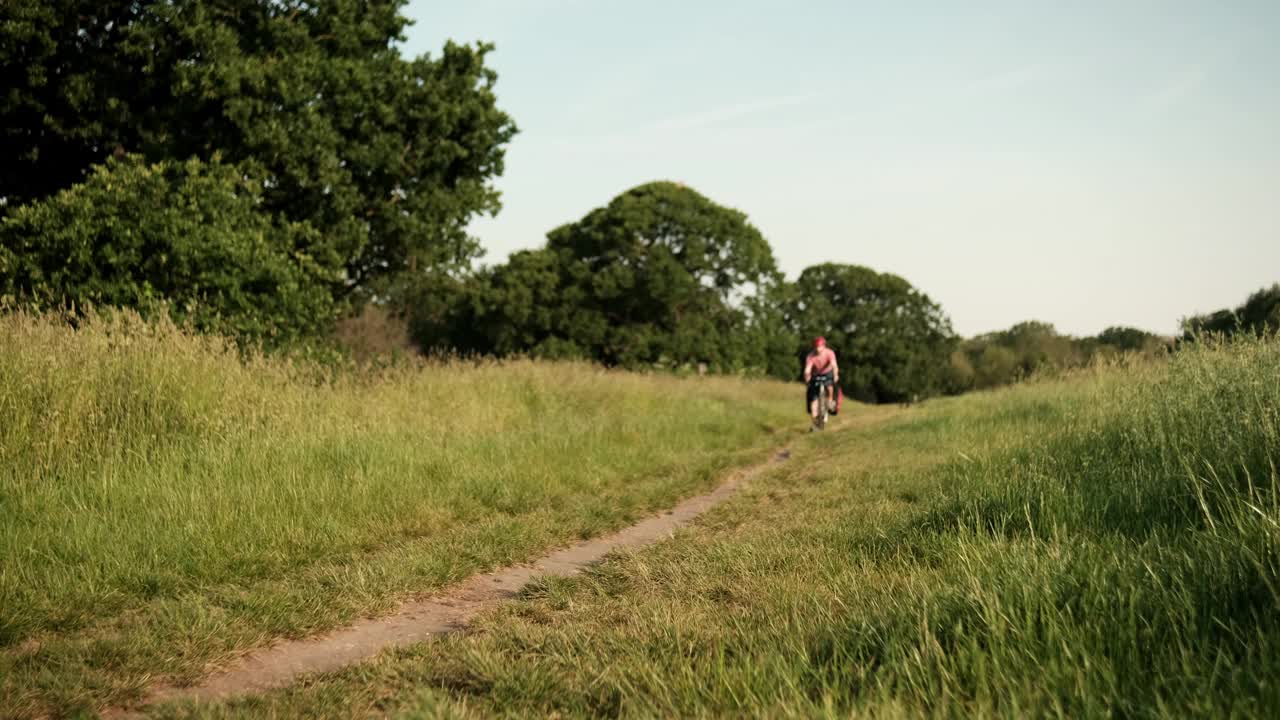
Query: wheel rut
{"points": [[282, 663]]}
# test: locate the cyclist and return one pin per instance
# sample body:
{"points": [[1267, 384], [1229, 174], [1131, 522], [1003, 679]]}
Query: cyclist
{"points": [[821, 374]]}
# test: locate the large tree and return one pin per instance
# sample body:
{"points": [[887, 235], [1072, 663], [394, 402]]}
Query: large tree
{"points": [[657, 274], [385, 157], [893, 342], [661, 275]]}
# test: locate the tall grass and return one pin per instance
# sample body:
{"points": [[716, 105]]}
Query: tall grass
{"points": [[165, 501], [1146, 577], [1102, 545]]}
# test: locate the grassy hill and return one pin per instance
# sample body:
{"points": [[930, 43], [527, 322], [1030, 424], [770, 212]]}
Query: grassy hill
{"points": [[1106, 543], [166, 503], [1102, 545]]}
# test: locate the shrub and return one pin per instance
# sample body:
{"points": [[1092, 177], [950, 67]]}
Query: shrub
{"points": [[188, 237]]}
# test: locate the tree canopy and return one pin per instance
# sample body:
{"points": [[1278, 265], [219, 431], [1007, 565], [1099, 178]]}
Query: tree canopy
{"points": [[892, 340], [384, 158], [1128, 339], [1259, 314], [661, 275]]}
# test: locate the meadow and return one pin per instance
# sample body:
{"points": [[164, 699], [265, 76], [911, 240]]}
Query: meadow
{"points": [[1104, 544], [167, 501]]}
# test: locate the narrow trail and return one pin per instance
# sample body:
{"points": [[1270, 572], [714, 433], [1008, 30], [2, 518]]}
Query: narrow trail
{"points": [[284, 662]]}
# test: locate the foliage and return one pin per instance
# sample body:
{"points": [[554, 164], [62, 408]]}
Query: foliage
{"points": [[1128, 339], [376, 334], [771, 332], [892, 340], [660, 276], [1026, 349], [385, 158], [1259, 314], [187, 237]]}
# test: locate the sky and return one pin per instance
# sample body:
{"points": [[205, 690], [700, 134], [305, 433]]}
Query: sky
{"points": [[1086, 163]]}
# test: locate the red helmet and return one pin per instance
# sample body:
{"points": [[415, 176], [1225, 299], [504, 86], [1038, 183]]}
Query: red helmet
{"points": [[819, 341]]}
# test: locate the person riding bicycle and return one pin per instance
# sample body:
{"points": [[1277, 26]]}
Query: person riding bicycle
{"points": [[822, 375]]}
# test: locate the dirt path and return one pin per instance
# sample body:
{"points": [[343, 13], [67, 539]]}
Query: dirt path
{"points": [[283, 662]]}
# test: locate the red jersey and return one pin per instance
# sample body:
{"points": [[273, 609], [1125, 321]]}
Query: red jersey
{"points": [[820, 362]]}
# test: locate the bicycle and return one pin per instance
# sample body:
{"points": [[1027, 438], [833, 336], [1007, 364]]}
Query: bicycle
{"points": [[817, 391]]}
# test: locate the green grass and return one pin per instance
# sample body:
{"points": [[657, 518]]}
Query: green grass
{"points": [[166, 504], [1103, 545]]}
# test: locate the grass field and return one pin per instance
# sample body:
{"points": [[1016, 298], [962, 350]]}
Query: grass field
{"points": [[166, 504], [1106, 544], [1101, 545]]}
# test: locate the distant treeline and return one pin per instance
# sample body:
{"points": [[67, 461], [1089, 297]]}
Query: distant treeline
{"points": [[1004, 357], [1258, 315], [664, 278], [262, 171]]}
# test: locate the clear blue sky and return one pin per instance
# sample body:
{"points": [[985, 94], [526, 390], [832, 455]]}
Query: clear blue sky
{"points": [[1085, 163]]}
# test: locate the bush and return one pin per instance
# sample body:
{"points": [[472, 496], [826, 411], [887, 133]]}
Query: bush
{"points": [[188, 237]]}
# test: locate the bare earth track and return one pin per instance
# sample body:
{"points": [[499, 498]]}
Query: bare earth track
{"points": [[282, 663]]}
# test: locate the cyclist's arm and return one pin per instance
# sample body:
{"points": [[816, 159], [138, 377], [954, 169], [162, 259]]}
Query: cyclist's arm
{"points": [[835, 367], [808, 368]]}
